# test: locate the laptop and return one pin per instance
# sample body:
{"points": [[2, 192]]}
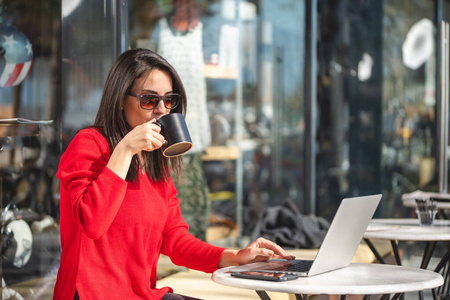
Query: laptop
{"points": [[338, 247]]}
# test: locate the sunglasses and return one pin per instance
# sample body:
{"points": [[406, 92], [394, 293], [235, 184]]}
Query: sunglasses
{"points": [[151, 101]]}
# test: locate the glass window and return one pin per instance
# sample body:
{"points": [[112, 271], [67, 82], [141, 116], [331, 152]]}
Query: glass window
{"points": [[409, 102], [243, 66], [30, 103], [376, 97], [88, 52], [243, 70], [54, 58]]}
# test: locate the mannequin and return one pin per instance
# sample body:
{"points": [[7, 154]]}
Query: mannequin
{"points": [[184, 16], [180, 42]]}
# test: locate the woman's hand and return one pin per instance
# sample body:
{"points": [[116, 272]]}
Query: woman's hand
{"points": [[144, 137], [259, 250]]}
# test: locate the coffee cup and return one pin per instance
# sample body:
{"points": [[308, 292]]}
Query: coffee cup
{"points": [[175, 131]]}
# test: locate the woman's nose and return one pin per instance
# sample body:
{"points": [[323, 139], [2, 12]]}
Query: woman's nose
{"points": [[160, 108]]}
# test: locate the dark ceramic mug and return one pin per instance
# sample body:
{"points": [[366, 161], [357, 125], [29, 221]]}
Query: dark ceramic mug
{"points": [[174, 130]]}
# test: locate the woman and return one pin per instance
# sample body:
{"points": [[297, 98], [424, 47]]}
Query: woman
{"points": [[119, 209]]}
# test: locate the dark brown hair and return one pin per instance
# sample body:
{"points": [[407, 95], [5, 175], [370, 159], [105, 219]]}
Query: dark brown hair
{"points": [[129, 66]]}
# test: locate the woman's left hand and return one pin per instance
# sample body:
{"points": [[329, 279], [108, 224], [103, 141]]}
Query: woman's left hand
{"points": [[259, 250]]}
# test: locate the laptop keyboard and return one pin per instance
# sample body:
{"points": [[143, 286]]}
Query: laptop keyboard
{"points": [[295, 266]]}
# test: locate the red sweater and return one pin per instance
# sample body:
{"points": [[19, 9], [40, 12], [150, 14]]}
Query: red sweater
{"points": [[113, 231]]}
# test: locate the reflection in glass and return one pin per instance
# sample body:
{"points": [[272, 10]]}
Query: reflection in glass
{"points": [[252, 68], [29, 151], [377, 102]]}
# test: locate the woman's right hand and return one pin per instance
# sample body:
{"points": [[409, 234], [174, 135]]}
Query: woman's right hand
{"points": [[144, 137]]}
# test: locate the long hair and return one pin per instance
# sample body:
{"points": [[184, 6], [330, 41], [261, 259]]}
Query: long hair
{"points": [[129, 66]]}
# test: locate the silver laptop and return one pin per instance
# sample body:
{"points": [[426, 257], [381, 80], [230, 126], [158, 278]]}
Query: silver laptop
{"points": [[339, 245]]}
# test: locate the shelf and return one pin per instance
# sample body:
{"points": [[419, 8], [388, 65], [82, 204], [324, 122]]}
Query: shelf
{"points": [[15, 127], [221, 153], [19, 121], [218, 72]]}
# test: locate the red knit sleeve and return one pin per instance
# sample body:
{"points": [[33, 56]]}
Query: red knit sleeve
{"points": [[182, 247], [95, 192]]}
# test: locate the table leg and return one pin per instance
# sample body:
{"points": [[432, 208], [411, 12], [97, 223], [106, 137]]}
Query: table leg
{"points": [[447, 281], [386, 296], [446, 286], [443, 261], [443, 268], [427, 254], [394, 245], [434, 294], [374, 251], [377, 255], [263, 295], [429, 249]]}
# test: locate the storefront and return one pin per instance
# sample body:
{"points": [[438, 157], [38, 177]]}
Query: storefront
{"points": [[293, 100]]}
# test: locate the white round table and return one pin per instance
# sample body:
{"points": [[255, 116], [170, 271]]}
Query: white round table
{"points": [[442, 199], [356, 279], [440, 204], [410, 230], [407, 230]]}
